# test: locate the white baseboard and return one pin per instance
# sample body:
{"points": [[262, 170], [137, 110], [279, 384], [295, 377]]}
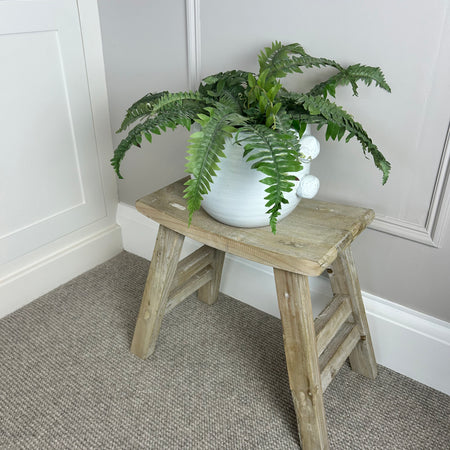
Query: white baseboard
{"points": [[39, 275], [406, 341]]}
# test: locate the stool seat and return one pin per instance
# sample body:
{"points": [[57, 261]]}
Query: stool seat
{"points": [[307, 241], [314, 237]]}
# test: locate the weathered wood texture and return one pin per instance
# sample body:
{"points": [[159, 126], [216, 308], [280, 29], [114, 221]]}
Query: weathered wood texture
{"points": [[329, 321], [337, 352], [302, 361], [162, 270], [199, 279], [192, 273], [344, 280], [307, 241], [210, 291], [192, 264]]}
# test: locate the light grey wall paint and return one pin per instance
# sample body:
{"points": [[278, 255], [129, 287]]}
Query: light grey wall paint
{"points": [[145, 50], [405, 272], [144, 45]]}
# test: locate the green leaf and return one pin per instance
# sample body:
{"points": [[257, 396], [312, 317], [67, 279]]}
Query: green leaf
{"points": [[251, 80], [141, 108], [168, 111], [332, 131], [220, 86], [302, 129], [351, 75], [276, 155], [336, 119], [205, 149]]}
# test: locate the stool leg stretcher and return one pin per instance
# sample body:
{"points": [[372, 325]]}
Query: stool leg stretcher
{"points": [[344, 280]]}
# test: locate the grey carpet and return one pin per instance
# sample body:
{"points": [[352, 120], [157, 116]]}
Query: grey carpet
{"points": [[216, 381]]}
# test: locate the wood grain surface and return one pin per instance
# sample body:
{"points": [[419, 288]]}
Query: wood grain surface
{"points": [[306, 242]]}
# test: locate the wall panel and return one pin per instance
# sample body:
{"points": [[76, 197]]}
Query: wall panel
{"points": [[50, 182], [58, 195]]}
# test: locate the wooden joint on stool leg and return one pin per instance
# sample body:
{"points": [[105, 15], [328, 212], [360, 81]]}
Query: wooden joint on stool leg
{"points": [[197, 280], [192, 273], [191, 265], [330, 320], [344, 280], [209, 292], [337, 352]]}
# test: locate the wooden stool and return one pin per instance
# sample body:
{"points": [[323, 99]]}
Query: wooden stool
{"points": [[314, 238]]}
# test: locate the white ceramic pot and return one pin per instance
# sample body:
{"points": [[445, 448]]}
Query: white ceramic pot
{"points": [[237, 196]]}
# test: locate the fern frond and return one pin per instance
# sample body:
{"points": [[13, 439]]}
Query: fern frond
{"points": [[140, 108], [205, 149], [179, 100], [230, 85], [369, 74], [309, 61], [351, 75], [150, 104], [275, 60], [231, 77], [183, 114], [275, 154], [319, 110], [279, 60]]}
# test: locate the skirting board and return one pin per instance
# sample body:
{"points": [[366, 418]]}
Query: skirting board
{"points": [[57, 266], [406, 341]]}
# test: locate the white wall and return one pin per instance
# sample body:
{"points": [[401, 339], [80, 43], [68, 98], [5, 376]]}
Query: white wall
{"points": [[146, 49]]}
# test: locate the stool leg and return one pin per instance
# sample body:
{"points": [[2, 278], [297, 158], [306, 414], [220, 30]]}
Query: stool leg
{"points": [[162, 270], [294, 301], [210, 291], [344, 280]]}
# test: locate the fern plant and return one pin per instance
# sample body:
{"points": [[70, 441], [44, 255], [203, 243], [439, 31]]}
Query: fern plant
{"points": [[259, 113]]}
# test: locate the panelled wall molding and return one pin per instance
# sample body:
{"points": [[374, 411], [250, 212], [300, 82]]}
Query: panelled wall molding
{"points": [[193, 43], [440, 203], [402, 228], [438, 210]]}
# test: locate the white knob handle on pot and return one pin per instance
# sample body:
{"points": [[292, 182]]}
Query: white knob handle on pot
{"points": [[308, 187], [309, 148]]}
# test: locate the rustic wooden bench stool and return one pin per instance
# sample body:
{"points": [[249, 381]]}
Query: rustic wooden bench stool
{"points": [[314, 238]]}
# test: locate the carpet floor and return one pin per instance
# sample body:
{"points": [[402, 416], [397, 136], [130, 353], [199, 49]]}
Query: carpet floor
{"points": [[217, 379]]}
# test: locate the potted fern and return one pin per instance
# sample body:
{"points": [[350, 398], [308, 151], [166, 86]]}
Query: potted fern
{"points": [[257, 113]]}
